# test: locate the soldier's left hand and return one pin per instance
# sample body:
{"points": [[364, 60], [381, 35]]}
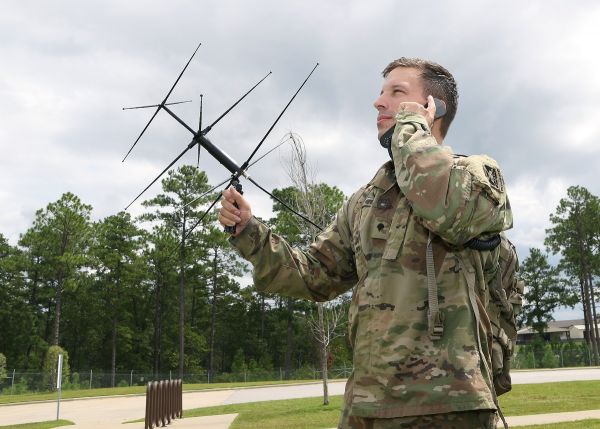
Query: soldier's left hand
{"points": [[427, 112]]}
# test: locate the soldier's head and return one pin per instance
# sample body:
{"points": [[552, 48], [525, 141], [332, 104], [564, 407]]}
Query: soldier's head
{"points": [[413, 79]]}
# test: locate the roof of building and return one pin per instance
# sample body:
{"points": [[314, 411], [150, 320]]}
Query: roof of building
{"points": [[558, 326]]}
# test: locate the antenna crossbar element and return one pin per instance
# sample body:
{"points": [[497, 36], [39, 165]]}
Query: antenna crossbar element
{"points": [[217, 153], [155, 105], [162, 105], [200, 140], [241, 170]]}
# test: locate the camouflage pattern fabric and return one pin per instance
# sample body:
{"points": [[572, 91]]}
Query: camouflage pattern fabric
{"points": [[463, 420], [376, 247]]}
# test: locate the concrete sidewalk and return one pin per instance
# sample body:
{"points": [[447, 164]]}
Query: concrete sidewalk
{"points": [[541, 419]]}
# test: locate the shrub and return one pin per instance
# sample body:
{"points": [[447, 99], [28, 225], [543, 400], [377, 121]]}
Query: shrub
{"points": [[50, 367], [2, 367]]}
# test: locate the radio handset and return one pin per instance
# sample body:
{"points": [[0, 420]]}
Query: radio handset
{"points": [[386, 139]]}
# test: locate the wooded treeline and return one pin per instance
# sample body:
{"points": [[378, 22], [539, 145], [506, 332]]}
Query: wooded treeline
{"points": [[155, 294], [109, 292]]}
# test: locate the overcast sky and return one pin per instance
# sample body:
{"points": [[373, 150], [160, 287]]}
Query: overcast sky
{"points": [[527, 73]]}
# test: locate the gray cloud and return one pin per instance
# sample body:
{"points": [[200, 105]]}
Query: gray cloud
{"points": [[526, 76]]}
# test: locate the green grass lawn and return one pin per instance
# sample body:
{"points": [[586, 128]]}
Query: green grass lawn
{"points": [[40, 425], [134, 390], [308, 413], [305, 413], [551, 398]]}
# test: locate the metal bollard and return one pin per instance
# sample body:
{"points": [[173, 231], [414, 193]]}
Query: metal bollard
{"points": [[164, 402]]}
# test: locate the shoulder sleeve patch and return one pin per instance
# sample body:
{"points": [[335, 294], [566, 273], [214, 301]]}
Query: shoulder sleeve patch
{"points": [[494, 177], [485, 173]]}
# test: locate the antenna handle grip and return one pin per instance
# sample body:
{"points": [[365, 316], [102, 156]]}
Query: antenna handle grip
{"points": [[238, 187]]}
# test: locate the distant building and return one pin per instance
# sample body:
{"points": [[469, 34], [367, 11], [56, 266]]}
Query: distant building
{"points": [[557, 331]]}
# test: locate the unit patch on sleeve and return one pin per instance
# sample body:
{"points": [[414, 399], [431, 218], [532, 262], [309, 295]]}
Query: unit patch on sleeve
{"points": [[494, 177]]}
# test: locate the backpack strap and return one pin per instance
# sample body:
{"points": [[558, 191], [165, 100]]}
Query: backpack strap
{"points": [[435, 318]]}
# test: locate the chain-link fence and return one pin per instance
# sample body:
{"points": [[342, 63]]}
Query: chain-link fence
{"points": [[22, 382], [558, 355], [528, 356]]}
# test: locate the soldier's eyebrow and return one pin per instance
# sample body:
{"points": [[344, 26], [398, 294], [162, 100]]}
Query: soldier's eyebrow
{"points": [[402, 85], [399, 85]]}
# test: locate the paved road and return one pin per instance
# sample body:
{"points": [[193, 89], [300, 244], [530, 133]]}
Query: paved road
{"points": [[93, 412], [552, 375]]}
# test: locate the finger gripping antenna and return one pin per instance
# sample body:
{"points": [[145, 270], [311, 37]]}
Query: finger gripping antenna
{"points": [[238, 187]]}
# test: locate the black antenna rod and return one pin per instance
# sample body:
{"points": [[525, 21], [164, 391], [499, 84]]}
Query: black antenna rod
{"points": [[240, 170], [285, 204], [189, 146], [217, 153], [155, 105], [199, 128], [161, 105], [207, 129], [201, 219], [226, 180], [277, 120]]}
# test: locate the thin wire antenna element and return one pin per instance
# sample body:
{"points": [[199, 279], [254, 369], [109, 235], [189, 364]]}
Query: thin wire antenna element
{"points": [[201, 219], [155, 105], [226, 180], [161, 105], [199, 138], [320, 228], [279, 117], [162, 172], [234, 104], [240, 170]]}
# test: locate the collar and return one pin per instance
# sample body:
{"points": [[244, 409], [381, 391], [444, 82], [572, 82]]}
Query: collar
{"points": [[385, 178]]}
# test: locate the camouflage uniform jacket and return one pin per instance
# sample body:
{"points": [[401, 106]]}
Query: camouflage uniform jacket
{"points": [[377, 246]]}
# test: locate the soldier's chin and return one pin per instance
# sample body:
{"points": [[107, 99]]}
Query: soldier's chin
{"points": [[382, 127]]}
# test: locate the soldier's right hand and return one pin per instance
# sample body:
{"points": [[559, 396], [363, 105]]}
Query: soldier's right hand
{"points": [[230, 215]]}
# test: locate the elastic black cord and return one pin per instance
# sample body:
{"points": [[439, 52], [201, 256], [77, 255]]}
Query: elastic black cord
{"points": [[489, 244]]}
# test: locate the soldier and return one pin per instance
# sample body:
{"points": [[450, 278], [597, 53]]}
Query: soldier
{"points": [[403, 243]]}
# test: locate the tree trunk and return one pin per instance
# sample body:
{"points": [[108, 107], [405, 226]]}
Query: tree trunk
{"points": [[594, 316], [157, 328], [114, 352], [290, 339], [33, 302], [57, 311], [181, 301], [262, 317], [323, 347], [192, 316], [587, 289], [591, 332], [213, 318], [60, 279], [586, 318]]}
